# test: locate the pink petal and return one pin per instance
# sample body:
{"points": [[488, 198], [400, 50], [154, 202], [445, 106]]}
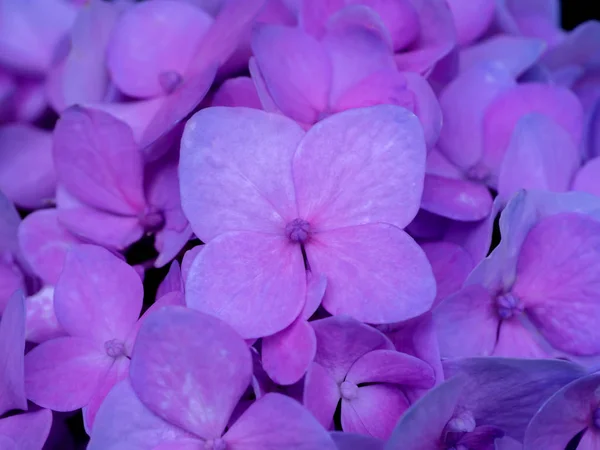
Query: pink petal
{"points": [[321, 394], [339, 158], [460, 200], [375, 273], [557, 278], [238, 91], [341, 341], [114, 429], [421, 426], [64, 373], [564, 415], [515, 53], [287, 355], [451, 264], [296, 70], [145, 67], [117, 372], [235, 171], [471, 18], [466, 323], [254, 282], [463, 104], [276, 421], [45, 243], [12, 349], [98, 160], [42, 324], [316, 284], [26, 169], [375, 411], [586, 179], [84, 77], [190, 368], [36, 423], [559, 104], [99, 227], [390, 366], [98, 296]]}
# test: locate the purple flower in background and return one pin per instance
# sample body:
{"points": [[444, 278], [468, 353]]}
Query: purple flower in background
{"points": [[359, 367], [117, 198], [536, 293], [188, 372], [264, 195], [98, 299], [572, 410]]}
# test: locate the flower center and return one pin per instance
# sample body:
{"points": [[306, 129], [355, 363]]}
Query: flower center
{"points": [[507, 306], [152, 220], [461, 423], [114, 348], [215, 444], [169, 81], [348, 390], [596, 418], [298, 230]]}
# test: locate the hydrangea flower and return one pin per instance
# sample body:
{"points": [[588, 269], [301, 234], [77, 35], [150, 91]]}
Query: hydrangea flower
{"points": [[359, 367], [541, 276], [117, 197], [27, 431], [188, 372], [265, 196], [98, 299]]}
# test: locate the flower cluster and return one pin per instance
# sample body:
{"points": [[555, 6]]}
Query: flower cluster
{"points": [[298, 224]]}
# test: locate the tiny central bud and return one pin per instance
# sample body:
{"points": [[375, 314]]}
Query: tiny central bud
{"points": [[461, 423], [169, 81], [348, 390], [298, 230], [596, 418], [215, 444], [507, 306], [152, 220], [114, 348]]}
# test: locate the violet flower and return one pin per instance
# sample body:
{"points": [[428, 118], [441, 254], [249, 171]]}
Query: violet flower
{"points": [[118, 198], [358, 366], [27, 431], [188, 372], [265, 196], [542, 275]]}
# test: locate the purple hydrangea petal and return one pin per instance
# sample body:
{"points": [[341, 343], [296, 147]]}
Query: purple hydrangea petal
{"points": [[352, 441], [556, 277], [426, 107], [63, 374], [42, 324], [300, 91], [27, 431], [12, 349], [321, 394], [98, 161], [98, 296], [374, 411], [329, 178], [471, 18], [518, 340], [144, 67], [277, 421], [586, 179], [239, 91], [114, 429], [173, 282], [540, 155], [45, 243], [188, 260], [26, 168], [190, 369], [564, 415], [533, 18], [257, 282], [235, 171], [287, 355]]}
